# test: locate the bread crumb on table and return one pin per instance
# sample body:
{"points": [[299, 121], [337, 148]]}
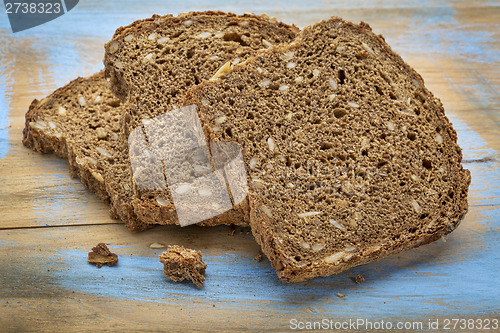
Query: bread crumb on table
{"points": [[101, 255], [359, 278], [180, 264]]}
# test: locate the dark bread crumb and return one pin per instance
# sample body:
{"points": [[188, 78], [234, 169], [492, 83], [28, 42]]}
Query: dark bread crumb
{"points": [[359, 278], [101, 255], [180, 263], [258, 257], [349, 157]]}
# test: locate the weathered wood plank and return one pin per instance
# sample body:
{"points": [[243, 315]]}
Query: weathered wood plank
{"points": [[44, 276], [42, 264], [37, 190]]}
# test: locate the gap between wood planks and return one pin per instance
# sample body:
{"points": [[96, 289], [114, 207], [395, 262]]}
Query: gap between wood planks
{"points": [[58, 226], [480, 160]]}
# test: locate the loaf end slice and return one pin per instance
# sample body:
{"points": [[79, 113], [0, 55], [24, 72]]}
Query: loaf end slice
{"points": [[349, 157]]}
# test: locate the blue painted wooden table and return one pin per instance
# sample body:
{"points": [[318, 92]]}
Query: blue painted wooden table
{"points": [[49, 221]]}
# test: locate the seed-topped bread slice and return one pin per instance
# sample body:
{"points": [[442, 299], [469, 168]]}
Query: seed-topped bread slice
{"points": [[349, 157], [152, 63], [81, 122]]}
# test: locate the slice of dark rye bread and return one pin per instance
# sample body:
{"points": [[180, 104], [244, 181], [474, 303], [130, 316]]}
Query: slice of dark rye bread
{"points": [[81, 122], [153, 62], [350, 158]]}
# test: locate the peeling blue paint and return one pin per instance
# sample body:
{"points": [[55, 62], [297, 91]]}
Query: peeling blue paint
{"points": [[434, 30], [391, 288], [4, 122]]}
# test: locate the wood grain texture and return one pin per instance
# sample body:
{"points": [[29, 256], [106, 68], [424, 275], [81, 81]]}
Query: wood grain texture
{"points": [[49, 221]]}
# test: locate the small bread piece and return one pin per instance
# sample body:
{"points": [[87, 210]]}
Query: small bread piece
{"points": [[153, 62], [348, 156], [181, 263], [101, 255]]}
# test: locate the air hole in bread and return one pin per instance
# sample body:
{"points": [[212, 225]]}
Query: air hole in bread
{"points": [[114, 103], [412, 136], [190, 53], [176, 34], [342, 76], [427, 164], [274, 86], [234, 37], [419, 97], [361, 173], [339, 113]]}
